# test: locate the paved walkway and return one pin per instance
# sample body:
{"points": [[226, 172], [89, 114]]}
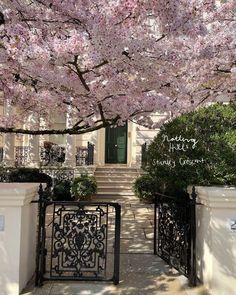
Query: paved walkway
{"points": [[141, 272]]}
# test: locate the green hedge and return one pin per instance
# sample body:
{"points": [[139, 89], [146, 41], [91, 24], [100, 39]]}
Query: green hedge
{"points": [[145, 188], [196, 148], [24, 175]]}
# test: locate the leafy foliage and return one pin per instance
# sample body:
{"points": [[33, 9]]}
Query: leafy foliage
{"points": [[196, 148], [24, 175], [84, 187], [145, 188], [62, 190]]}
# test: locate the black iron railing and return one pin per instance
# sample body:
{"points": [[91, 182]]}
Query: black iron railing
{"points": [[85, 155], [144, 155], [1, 154], [73, 243], [21, 156], [52, 155], [59, 174], [175, 233]]}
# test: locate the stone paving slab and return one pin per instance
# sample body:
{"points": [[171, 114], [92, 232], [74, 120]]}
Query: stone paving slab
{"points": [[136, 246], [150, 276]]}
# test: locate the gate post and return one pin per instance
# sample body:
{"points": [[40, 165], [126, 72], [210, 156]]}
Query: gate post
{"points": [[155, 227], [193, 274], [117, 244], [40, 240]]}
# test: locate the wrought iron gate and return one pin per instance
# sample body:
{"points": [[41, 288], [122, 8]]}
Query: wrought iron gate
{"points": [[175, 233], [77, 241]]}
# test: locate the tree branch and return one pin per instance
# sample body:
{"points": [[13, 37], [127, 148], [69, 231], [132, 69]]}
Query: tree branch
{"points": [[70, 131], [101, 112], [95, 67], [79, 72]]}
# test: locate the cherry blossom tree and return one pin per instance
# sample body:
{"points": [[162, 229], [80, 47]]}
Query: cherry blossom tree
{"points": [[108, 61]]}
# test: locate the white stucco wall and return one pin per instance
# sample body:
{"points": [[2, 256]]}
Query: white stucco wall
{"points": [[17, 236], [216, 243]]}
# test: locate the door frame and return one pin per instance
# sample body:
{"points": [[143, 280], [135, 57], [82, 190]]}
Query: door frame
{"points": [[131, 147], [126, 147]]}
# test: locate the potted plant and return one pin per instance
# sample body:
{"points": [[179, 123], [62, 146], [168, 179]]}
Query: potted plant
{"points": [[84, 187], [62, 190]]}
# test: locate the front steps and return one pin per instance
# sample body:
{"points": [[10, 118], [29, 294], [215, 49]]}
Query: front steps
{"points": [[115, 181]]}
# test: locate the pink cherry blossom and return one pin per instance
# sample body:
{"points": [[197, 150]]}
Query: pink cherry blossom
{"points": [[113, 61]]}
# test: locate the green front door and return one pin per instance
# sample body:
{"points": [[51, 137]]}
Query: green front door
{"points": [[116, 145]]}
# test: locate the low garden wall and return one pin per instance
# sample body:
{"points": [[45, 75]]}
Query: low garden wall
{"points": [[18, 230], [216, 238]]}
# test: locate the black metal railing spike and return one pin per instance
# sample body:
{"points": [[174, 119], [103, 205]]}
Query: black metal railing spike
{"points": [[144, 155], [194, 195], [90, 154], [1, 154], [155, 226], [38, 271], [193, 271], [40, 192]]}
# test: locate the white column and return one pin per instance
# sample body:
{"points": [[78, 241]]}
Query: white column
{"points": [[70, 142], [9, 141], [18, 228], [33, 143], [34, 151], [9, 150], [70, 151]]}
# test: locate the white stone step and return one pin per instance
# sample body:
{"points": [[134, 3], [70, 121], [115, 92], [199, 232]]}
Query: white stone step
{"points": [[107, 194], [118, 168], [115, 178], [114, 188], [104, 182], [117, 174], [114, 181], [117, 171]]}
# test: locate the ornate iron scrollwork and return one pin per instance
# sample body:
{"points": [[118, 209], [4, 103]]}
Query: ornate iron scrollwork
{"points": [[79, 239], [85, 155], [173, 234], [21, 155], [60, 174], [81, 156], [72, 241], [52, 155]]}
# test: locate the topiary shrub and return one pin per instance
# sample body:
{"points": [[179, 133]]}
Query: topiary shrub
{"points": [[196, 148], [4, 173], [28, 175], [84, 187], [62, 190]]}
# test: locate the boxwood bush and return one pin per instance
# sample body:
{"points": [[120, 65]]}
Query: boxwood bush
{"points": [[24, 175], [197, 148], [145, 188], [84, 187], [62, 190]]}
